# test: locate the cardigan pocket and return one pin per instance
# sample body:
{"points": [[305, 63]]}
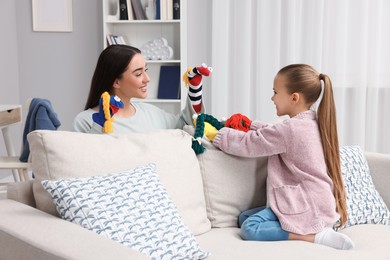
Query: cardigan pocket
{"points": [[291, 200]]}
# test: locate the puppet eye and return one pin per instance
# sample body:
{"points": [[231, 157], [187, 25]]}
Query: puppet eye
{"points": [[117, 98]]}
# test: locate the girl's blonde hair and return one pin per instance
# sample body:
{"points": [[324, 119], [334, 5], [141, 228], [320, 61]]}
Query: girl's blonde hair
{"points": [[304, 79]]}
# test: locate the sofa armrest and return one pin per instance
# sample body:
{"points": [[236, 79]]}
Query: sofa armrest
{"points": [[28, 233], [379, 165], [21, 192]]}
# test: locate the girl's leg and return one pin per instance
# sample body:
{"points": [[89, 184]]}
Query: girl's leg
{"points": [[329, 237], [263, 226], [246, 214]]}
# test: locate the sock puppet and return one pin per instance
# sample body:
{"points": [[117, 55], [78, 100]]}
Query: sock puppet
{"points": [[207, 125], [239, 122], [108, 106], [193, 79]]}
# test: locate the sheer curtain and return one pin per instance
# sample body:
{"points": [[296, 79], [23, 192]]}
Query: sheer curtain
{"points": [[349, 40]]}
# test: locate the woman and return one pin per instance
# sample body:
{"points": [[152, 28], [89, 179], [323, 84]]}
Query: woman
{"points": [[121, 71]]}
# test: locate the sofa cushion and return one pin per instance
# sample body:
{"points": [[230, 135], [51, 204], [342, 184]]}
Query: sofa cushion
{"points": [[371, 242], [231, 184], [62, 154], [29, 233], [364, 203], [131, 207]]}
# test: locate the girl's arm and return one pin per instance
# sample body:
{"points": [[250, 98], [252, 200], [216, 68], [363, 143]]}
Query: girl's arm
{"points": [[257, 125], [264, 141]]}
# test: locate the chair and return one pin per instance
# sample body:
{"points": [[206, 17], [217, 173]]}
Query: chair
{"points": [[40, 116], [10, 115], [19, 169]]}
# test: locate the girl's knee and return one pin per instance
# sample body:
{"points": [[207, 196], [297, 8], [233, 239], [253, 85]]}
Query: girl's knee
{"points": [[247, 231], [245, 235]]}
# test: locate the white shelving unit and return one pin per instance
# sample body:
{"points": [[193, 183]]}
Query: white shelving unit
{"points": [[139, 32]]}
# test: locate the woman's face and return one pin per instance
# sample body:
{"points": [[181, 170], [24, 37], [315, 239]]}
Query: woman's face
{"points": [[134, 81]]}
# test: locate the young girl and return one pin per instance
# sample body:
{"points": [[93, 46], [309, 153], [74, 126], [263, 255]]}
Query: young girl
{"points": [[305, 191]]}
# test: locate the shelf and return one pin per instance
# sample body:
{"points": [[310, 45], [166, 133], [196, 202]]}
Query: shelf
{"points": [[139, 32], [142, 21]]}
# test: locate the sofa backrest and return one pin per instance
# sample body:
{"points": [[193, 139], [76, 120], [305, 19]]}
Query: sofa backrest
{"points": [[231, 184], [379, 165], [62, 154]]}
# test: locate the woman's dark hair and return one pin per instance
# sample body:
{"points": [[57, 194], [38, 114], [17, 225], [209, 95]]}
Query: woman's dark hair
{"points": [[112, 62]]}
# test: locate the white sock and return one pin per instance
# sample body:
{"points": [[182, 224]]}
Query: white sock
{"points": [[329, 237]]}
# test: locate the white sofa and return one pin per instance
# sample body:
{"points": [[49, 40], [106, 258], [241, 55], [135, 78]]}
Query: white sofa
{"points": [[209, 191]]}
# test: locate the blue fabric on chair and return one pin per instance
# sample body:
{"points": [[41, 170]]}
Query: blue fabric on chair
{"points": [[41, 116]]}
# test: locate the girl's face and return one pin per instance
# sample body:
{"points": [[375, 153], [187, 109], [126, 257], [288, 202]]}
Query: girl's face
{"points": [[281, 98], [134, 81]]}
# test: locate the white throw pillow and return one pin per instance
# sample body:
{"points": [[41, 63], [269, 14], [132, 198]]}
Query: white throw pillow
{"points": [[131, 207], [364, 203]]}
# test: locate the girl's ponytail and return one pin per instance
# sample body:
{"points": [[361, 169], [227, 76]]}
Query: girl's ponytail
{"points": [[326, 116]]}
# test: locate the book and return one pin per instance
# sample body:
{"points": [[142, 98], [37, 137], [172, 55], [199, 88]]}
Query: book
{"points": [[109, 41], [158, 10], [114, 39], [130, 15], [163, 9], [123, 10], [123, 40], [119, 39], [169, 9], [169, 82], [139, 12], [176, 9], [150, 10]]}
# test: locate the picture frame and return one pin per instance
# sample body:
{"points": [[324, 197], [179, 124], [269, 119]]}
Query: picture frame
{"points": [[52, 15]]}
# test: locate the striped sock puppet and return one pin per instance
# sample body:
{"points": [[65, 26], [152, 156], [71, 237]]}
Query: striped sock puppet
{"points": [[193, 79]]}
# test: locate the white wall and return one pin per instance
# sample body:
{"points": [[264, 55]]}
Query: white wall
{"points": [[9, 72], [56, 66], [59, 66], [199, 39]]}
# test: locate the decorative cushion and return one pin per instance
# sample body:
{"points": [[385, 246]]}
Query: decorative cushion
{"points": [[131, 207], [231, 184], [364, 203], [63, 154]]}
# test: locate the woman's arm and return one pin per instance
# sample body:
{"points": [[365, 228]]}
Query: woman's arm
{"points": [[187, 113]]}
